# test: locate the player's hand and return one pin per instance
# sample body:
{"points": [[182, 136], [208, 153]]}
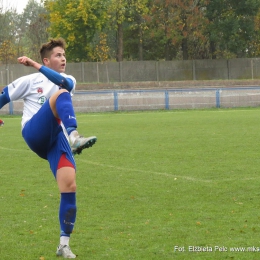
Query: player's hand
{"points": [[25, 61]]}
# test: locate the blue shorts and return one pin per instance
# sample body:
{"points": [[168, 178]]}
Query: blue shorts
{"points": [[44, 135]]}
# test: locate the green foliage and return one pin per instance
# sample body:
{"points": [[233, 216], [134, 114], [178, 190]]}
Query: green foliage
{"points": [[8, 34], [136, 29], [34, 24], [25, 32], [77, 22], [101, 51], [7, 52], [232, 26], [98, 30], [177, 25], [8, 25]]}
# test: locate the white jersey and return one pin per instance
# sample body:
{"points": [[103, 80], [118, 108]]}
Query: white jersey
{"points": [[35, 89]]}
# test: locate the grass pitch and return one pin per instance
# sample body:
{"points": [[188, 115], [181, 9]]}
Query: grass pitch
{"points": [[156, 185]]}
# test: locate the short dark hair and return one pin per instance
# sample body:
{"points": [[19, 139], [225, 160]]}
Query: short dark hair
{"points": [[47, 47]]}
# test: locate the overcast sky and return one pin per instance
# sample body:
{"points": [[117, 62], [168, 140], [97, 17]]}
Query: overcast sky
{"points": [[19, 5]]}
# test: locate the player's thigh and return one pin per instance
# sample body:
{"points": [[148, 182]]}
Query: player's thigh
{"points": [[41, 130]]}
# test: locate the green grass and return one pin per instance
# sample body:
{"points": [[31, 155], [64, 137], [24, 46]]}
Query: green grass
{"points": [[154, 181]]}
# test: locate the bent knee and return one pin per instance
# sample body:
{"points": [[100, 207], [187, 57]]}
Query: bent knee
{"points": [[66, 179], [54, 97], [69, 186], [72, 187], [62, 90]]}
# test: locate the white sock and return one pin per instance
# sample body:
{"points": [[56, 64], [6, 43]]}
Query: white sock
{"points": [[72, 136], [64, 240]]}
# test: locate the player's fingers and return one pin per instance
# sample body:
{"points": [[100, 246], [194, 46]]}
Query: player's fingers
{"points": [[24, 60], [21, 60]]}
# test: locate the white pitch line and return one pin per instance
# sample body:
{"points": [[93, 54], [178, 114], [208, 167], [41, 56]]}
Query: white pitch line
{"points": [[188, 178], [149, 172], [16, 150]]}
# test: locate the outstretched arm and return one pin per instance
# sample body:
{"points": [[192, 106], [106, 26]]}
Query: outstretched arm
{"points": [[52, 75], [29, 62], [57, 78]]}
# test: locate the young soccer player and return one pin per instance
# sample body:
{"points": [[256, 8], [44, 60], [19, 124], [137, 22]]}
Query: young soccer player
{"points": [[47, 105]]}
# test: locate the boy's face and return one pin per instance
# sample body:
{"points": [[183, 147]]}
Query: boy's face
{"points": [[57, 60]]}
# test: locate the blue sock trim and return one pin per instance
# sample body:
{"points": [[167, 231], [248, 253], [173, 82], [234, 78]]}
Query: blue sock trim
{"points": [[70, 129], [67, 214]]}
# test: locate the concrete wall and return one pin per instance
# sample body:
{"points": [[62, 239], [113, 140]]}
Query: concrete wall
{"points": [[130, 100], [138, 71]]}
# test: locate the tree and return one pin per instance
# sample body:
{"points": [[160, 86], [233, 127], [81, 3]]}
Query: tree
{"points": [[161, 40], [193, 22], [136, 28], [255, 43], [101, 51], [231, 27], [117, 16], [33, 29], [7, 52], [77, 22], [177, 25], [8, 34]]}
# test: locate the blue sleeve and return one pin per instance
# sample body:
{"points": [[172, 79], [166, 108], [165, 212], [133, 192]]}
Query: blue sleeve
{"points": [[57, 78], [4, 97]]}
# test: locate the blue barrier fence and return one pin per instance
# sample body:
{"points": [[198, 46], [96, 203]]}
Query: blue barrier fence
{"points": [[177, 98], [151, 99]]}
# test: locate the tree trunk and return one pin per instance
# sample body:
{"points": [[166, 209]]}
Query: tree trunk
{"points": [[120, 42], [213, 50], [184, 45], [166, 51], [140, 44]]}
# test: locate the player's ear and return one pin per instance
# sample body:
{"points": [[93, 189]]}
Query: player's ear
{"points": [[46, 61]]}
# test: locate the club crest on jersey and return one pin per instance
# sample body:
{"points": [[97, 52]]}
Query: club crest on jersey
{"points": [[42, 100], [40, 90]]}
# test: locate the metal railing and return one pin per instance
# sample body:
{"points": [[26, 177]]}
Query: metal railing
{"points": [[165, 99]]}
